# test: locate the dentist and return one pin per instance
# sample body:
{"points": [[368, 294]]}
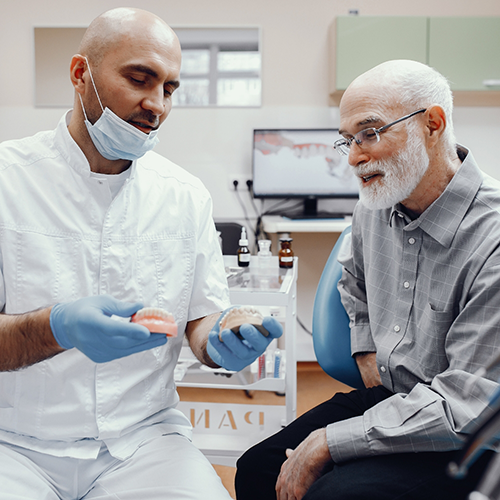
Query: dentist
{"points": [[93, 224]]}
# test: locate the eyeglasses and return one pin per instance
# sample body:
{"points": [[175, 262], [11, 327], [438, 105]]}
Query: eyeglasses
{"points": [[367, 137]]}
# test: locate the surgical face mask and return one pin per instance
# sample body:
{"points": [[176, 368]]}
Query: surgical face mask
{"points": [[116, 139]]}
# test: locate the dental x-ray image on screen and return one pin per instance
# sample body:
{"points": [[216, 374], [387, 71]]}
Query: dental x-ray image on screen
{"points": [[300, 163]]}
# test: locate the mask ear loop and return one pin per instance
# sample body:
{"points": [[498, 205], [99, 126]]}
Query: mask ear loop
{"points": [[83, 107], [93, 84]]}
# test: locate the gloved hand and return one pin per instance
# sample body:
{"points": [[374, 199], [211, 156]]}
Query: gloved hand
{"points": [[87, 325], [233, 353]]}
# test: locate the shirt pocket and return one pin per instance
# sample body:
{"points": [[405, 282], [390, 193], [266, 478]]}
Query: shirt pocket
{"points": [[433, 327], [157, 272], [43, 269]]}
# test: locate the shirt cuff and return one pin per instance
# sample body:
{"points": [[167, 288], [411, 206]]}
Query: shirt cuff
{"points": [[361, 339], [347, 440]]}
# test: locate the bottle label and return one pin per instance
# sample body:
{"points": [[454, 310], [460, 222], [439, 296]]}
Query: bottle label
{"points": [[244, 257], [286, 259]]}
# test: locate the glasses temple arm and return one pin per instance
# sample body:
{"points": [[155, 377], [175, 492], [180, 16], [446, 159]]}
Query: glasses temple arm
{"points": [[385, 127]]}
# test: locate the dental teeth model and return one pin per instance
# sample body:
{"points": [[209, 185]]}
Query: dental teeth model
{"points": [[156, 320], [236, 317]]}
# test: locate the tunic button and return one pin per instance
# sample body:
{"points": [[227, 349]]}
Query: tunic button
{"points": [[411, 241], [383, 369], [397, 328], [406, 284]]}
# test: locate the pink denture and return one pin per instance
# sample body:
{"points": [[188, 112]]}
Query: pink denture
{"points": [[156, 320]]}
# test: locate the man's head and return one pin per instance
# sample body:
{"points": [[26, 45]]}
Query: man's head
{"points": [[129, 61], [397, 167]]}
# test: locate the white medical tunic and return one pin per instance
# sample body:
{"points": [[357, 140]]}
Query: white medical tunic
{"points": [[63, 236]]}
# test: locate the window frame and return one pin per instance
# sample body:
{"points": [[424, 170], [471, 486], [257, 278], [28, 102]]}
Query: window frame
{"points": [[217, 40]]}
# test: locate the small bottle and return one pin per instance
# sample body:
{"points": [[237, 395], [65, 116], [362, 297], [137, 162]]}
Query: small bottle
{"points": [[264, 257], [262, 367], [286, 253], [277, 363], [243, 252]]}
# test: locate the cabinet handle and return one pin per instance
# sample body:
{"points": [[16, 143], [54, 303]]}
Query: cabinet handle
{"points": [[491, 83]]}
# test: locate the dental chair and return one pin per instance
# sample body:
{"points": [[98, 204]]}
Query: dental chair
{"points": [[330, 325]]}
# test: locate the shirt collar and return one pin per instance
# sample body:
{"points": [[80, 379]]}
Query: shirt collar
{"points": [[442, 219], [70, 150]]}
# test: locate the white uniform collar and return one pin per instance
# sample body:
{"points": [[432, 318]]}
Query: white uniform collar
{"points": [[70, 150]]}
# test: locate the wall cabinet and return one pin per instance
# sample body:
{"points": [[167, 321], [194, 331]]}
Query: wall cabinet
{"points": [[464, 49], [364, 42], [467, 51]]}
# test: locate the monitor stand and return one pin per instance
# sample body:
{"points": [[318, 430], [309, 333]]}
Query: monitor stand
{"points": [[311, 212]]}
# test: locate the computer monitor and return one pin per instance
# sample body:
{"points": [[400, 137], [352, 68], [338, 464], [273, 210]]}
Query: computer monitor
{"points": [[301, 163]]}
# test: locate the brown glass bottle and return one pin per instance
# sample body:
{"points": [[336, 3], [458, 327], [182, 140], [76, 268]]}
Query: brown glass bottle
{"points": [[285, 253]]}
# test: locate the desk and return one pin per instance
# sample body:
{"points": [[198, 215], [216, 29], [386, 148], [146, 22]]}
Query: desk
{"points": [[279, 224]]}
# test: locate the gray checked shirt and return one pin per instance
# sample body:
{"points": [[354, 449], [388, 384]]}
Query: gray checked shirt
{"points": [[424, 295]]}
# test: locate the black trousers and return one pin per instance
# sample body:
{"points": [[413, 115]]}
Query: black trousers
{"points": [[398, 476]]}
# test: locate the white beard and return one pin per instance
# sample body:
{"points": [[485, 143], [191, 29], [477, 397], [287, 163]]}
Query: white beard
{"points": [[401, 175]]}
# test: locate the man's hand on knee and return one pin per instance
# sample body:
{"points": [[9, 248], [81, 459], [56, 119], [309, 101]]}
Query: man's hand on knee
{"points": [[303, 466]]}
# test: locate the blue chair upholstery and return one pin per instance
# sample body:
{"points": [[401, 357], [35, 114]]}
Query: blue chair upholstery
{"points": [[330, 327]]}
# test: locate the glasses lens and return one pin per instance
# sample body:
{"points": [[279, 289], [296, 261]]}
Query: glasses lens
{"points": [[342, 147], [367, 137]]}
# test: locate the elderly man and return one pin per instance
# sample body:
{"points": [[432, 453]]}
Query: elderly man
{"points": [[93, 224], [421, 285]]}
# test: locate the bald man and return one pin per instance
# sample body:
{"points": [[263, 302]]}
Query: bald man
{"points": [[421, 285], [94, 226]]}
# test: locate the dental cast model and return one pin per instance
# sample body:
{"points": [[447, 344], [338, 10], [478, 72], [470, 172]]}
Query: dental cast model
{"points": [[156, 320], [236, 317]]}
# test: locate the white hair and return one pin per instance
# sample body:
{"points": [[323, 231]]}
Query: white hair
{"points": [[424, 87]]}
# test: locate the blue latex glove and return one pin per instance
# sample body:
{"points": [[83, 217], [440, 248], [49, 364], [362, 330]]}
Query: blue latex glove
{"points": [[234, 353], [87, 325]]}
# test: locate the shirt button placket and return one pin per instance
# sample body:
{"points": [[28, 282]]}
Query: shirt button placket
{"points": [[406, 284]]}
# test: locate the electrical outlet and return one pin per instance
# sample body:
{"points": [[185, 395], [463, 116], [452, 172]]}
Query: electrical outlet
{"points": [[242, 182]]}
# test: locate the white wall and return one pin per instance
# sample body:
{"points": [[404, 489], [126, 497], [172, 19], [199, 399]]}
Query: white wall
{"points": [[215, 143]]}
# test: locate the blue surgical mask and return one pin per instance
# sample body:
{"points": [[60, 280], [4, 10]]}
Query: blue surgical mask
{"points": [[116, 139]]}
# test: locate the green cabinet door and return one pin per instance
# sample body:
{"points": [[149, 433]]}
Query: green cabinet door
{"points": [[363, 42], [466, 50]]}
